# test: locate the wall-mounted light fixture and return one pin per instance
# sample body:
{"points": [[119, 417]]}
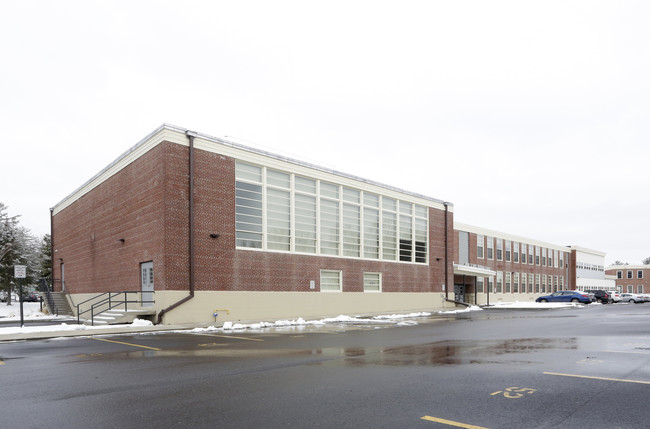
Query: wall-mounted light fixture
{"points": [[438, 259], [121, 240], [214, 235]]}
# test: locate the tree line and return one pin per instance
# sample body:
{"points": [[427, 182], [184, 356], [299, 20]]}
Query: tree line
{"points": [[18, 246]]}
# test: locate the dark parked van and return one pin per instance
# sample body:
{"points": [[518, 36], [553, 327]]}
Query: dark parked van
{"points": [[601, 296]]}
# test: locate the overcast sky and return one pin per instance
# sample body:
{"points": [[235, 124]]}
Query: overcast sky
{"points": [[531, 117]]}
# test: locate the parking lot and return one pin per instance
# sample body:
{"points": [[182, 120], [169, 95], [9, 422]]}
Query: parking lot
{"points": [[581, 367]]}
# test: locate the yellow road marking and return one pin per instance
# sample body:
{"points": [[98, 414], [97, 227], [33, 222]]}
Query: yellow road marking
{"points": [[451, 423], [128, 344], [625, 351], [597, 378], [232, 336]]}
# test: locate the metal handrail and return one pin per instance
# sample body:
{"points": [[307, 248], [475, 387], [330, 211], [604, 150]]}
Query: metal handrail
{"points": [[108, 298], [44, 287]]}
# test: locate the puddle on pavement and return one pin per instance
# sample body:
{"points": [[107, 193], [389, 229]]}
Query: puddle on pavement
{"points": [[456, 352], [450, 352]]}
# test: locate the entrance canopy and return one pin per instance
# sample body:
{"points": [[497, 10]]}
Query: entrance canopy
{"points": [[473, 270]]}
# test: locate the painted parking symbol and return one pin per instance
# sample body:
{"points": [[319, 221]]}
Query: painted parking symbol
{"points": [[514, 392]]}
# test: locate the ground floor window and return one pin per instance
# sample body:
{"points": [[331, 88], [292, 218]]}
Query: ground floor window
{"points": [[479, 285], [515, 283], [639, 289], [372, 282], [508, 277], [630, 289], [330, 281]]}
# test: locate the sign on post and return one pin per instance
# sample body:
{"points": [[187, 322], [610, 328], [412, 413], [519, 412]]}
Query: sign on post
{"points": [[20, 271]]}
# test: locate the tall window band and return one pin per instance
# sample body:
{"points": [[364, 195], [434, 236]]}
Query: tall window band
{"points": [[279, 211]]}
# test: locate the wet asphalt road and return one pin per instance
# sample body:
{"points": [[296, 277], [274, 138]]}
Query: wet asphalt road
{"points": [[575, 368]]}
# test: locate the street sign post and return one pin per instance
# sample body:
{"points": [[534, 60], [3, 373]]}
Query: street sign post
{"points": [[20, 272]]}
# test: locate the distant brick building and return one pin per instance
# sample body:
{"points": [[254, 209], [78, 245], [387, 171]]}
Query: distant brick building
{"points": [[492, 266], [630, 278]]}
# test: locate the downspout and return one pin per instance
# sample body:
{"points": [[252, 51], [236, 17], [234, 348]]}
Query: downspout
{"points": [[190, 136], [446, 250], [52, 249]]}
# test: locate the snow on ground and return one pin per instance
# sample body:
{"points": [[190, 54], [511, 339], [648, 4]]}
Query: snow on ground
{"points": [[31, 311]]}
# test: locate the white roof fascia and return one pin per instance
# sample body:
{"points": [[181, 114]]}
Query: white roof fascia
{"points": [[628, 267], [175, 134], [496, 234], [589, 251]]}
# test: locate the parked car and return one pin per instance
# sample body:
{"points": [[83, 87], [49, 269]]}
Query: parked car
{"points": [[566, 296], [616, 296], [601, 296], [644, 296], [631, 297], [32, 297]]}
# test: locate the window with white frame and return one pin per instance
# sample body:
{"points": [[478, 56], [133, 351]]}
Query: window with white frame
{"points": [[420, 225], [499, 281], [389, 229], [619, 274], [630, 289], [555, 259], [537, 283], [550, 258], [561, 259], [330, 281], [370, 226], [508, 251], [305, 219], [538, 252], [329, 219], [491, 284], [531, 282], [543, 283], [629, 274], [515, 252], [530, 254], [639, 274], [639, 289], [508, 282], [499, 249], [561, 282], [515, 283], [490, 247], [524, 280], [480, 243], [523, 253], [248, 206], [479, 285], [351, 222], [544, 257], [280, 211], [372, 282]]}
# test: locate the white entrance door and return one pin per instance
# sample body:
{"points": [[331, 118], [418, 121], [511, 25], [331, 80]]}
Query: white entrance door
{"points": [[146, 270]]}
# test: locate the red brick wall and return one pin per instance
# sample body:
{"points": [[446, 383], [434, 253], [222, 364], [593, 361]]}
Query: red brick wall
{"points": [[624, 282], [504, 266], [147, 204], [127, 206]]}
